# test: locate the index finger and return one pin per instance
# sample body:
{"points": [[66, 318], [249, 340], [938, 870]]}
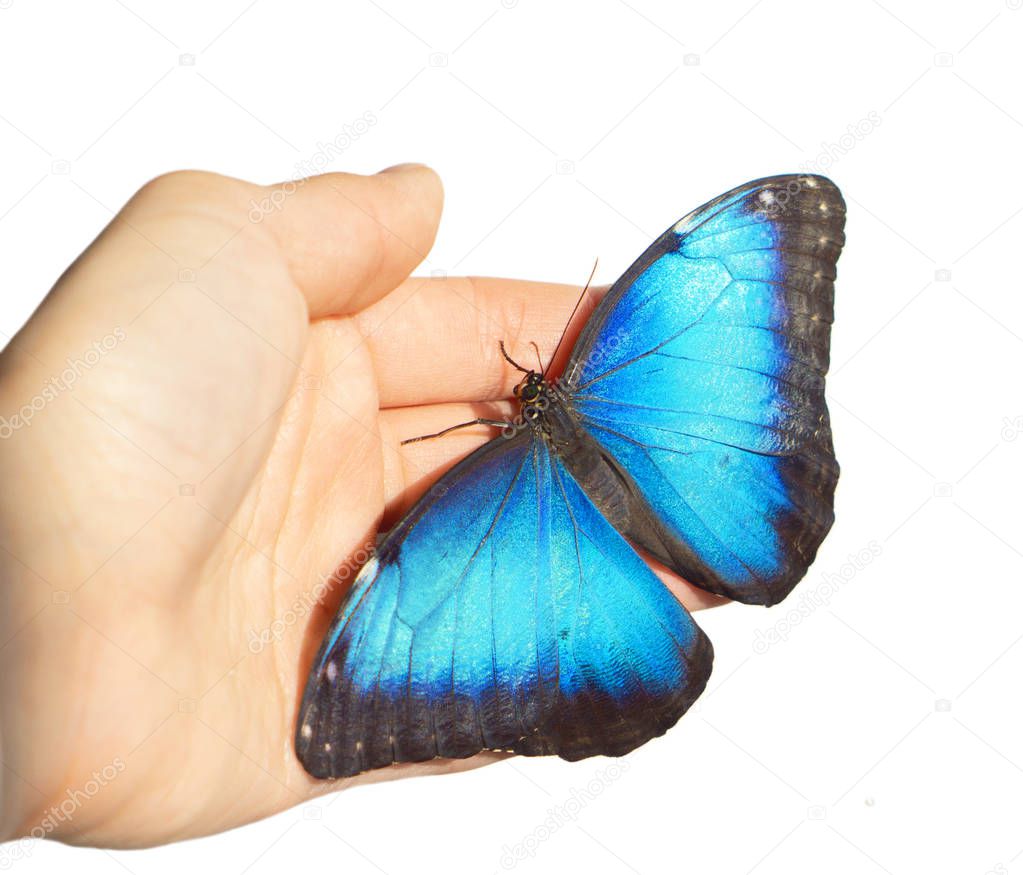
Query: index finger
{"points": [[438, 339]]}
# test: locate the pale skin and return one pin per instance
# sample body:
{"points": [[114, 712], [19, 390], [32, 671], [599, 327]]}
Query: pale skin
{"points": [[230, 437]]}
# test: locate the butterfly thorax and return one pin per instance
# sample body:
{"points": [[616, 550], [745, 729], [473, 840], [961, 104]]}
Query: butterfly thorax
{"points": [[546, 408]]}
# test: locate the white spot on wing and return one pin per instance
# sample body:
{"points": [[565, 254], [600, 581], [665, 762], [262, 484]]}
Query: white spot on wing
{"points": [[307, 731], [331, 671]]}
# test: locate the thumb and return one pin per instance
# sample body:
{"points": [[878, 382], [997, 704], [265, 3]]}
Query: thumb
{"points": [[349, 239]]}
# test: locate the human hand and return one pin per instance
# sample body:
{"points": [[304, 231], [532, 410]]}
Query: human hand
{"points": [[244, 362]]}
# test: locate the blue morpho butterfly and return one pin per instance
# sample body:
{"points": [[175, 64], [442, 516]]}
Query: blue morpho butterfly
{"points": [[507, 610]]}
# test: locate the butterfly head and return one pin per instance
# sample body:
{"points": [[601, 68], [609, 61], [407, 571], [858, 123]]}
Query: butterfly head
{"points": [[532, 394]]}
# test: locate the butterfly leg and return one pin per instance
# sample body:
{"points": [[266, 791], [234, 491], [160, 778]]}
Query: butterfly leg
{"points": [[496, 423]]}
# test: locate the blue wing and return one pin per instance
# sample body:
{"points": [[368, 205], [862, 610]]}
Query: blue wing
{"points": [[503, 613], [702, 375]]}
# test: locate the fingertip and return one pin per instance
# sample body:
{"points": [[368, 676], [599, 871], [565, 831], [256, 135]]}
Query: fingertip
{"points": [[421, 182], [407, 167], [350, 239]]}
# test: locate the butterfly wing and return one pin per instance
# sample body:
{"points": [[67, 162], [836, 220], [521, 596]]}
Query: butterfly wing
{"points": [[503, 613], [701, 374]]}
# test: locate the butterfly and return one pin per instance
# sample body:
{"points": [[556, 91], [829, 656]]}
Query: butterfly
{"points": [[509, 610]]}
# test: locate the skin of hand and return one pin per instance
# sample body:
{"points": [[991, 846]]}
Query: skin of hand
{"points": [[200, 441]]}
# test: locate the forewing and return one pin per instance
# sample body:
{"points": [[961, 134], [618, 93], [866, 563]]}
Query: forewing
{"points": [[702, 375]]}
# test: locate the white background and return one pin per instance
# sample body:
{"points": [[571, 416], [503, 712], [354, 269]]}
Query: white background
{"points": [[879, 732]]}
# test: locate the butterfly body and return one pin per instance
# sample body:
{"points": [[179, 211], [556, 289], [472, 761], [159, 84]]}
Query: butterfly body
{"points": [[509, 609]]}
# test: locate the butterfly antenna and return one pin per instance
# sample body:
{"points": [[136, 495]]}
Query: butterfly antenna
{"points": [[510, 360], [536, 349], [575, 309]]}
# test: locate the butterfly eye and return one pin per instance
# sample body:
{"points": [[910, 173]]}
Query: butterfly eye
{"points": [[530, 393]]}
